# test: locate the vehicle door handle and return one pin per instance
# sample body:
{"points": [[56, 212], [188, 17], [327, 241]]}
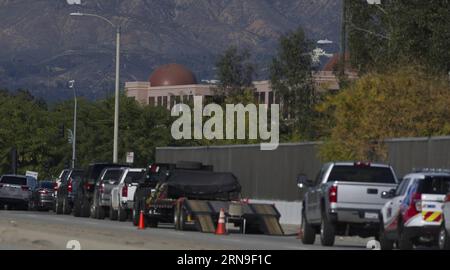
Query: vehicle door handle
{"points": [[372, 191]]}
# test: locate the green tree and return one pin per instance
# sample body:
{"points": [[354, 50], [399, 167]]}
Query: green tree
{"points": [[400, 102], [400, 30], [235, 73], [292, 82]]}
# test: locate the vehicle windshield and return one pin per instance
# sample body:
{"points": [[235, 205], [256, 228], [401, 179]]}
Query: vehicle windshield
{"points": [[113, 175], [76, 174], [435, 185], [14, 180], [46, 185], [362, 174], [136, 176]]}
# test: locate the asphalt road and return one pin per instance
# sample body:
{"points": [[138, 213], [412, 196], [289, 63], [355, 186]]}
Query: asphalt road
{"points": [[43, 230]]}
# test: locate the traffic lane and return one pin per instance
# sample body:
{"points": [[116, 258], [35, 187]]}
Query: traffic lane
{"points": [[105, 234]]}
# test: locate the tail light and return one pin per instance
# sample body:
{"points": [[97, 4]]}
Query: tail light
{"points": [[25, 188], [125, 191], [333, 192], [87, 186], [362, 164], [154, 168], [102, 188], [447, 199], [69, 186], [55, 186], [415, 206], [43, 191]]}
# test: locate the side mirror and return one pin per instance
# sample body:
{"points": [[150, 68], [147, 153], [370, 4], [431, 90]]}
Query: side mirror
{"points": [[302, 181], [388, 194]]}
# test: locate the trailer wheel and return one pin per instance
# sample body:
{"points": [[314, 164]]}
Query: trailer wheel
{"points": [[152, 222], [176, 217]]}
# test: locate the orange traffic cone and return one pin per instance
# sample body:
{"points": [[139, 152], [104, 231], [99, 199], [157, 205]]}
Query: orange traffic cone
{"points": [[141, 221], [221, 229]]}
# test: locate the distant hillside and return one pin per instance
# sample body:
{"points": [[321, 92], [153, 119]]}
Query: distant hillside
{"points": [[42, 47]]}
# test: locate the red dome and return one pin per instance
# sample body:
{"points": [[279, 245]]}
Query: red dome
{"points": [[172, 75]]}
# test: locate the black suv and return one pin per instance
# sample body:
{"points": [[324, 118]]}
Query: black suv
{"points": [[86, 187], [66, 191]]}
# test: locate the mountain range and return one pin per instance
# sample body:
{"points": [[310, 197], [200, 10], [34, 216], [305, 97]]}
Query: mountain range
{"points": [[42, 47]]}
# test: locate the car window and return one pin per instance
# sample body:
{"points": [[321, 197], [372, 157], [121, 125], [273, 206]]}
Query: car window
{"points": [[319, 176], [362, 174], [14, 180], [136, 176], [113, 175], [46, 185], [435, 185], [402, 187]]}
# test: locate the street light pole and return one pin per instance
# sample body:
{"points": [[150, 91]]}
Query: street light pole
{"points": [[117, 88], [74, 136], [116, 112]]}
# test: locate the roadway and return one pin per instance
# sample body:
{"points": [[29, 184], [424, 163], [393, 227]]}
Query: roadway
{"points": [[46, 231]]}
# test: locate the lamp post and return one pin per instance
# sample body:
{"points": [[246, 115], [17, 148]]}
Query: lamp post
{"points": [[74, 135], [116, 111]]}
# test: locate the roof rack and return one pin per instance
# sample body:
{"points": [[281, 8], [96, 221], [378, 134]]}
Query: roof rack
{"points": [[431, 170]]}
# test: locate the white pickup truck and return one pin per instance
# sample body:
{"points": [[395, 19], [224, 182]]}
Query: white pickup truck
{"points": [[122, 195], [345, 199]]}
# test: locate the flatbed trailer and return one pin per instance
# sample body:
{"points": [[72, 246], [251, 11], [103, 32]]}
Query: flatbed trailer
{"points": [[193, 200]]}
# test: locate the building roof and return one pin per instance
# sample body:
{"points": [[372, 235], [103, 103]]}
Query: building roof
{"points": [[172, 75]]}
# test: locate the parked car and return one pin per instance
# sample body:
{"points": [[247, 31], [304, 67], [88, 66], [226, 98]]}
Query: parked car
{"points": [[345, 199], [109, 178], [444, 234], [86, 187], [413, 216], [66, 191], [122, 195], [43, 196], [15, 191]]}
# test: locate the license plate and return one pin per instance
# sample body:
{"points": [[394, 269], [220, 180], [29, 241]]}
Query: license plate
{"points": [[371, 215]]}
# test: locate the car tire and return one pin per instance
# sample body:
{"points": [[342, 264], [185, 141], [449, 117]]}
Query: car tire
{"points": [[136, 213], [85, 208], [58, 207], [444, 239], [76, 211], [327, 232], [308, 233], [100, 212], [404, 241], [385, 243], [112, 214], [122, 214], [65, 206]]}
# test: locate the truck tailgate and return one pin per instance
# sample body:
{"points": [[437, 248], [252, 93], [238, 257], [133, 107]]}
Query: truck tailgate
{"points": [[354, 195]]}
